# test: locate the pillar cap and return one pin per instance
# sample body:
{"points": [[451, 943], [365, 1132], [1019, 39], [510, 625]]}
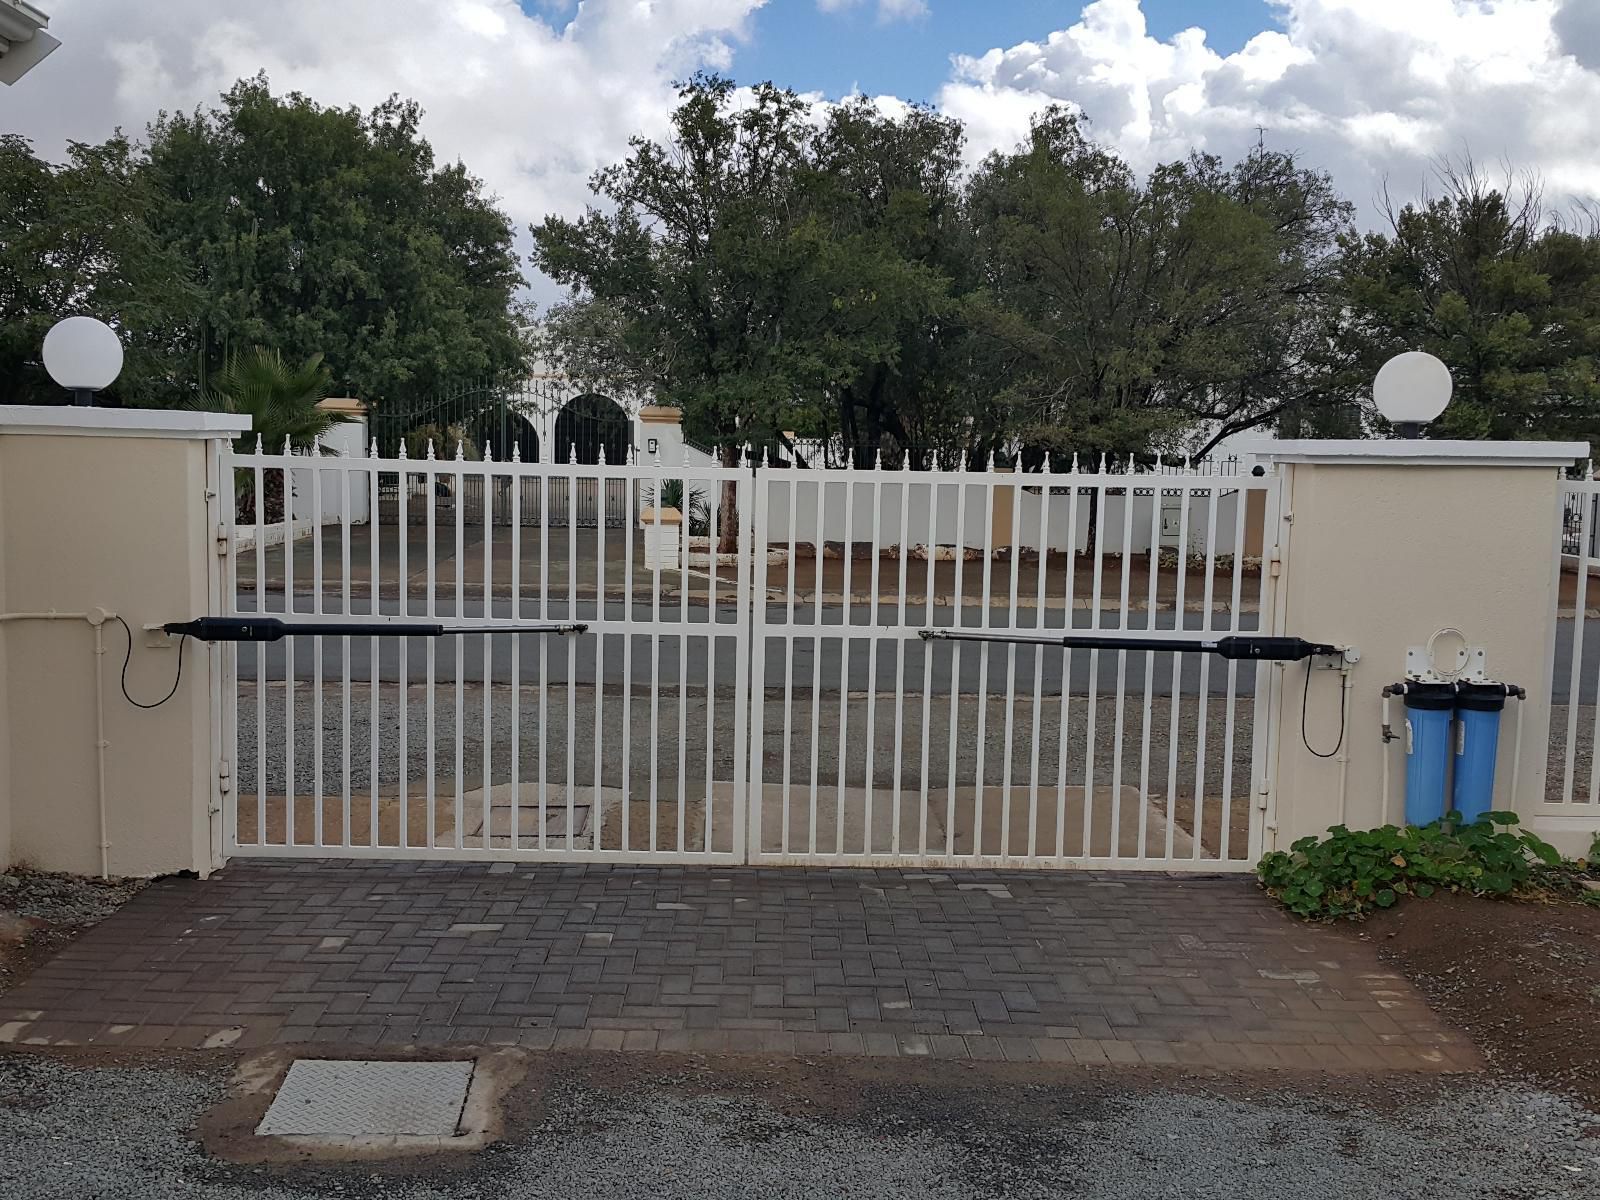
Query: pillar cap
{"points": [[1418, 452], [68, 421]]}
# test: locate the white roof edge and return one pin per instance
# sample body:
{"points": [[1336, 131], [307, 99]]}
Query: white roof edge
{"points": [[1421, 452], [62, 420]]}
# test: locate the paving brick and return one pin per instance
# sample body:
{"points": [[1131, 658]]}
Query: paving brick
{"points": [[1060, 966]]}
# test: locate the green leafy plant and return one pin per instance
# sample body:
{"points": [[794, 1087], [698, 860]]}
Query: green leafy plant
{"points": [[1348, 873], [697, 516], [446, 439]]}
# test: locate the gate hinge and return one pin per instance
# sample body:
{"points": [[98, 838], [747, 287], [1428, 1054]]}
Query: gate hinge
{"points": [[224, 777], [224, 539], [1275, 563]]}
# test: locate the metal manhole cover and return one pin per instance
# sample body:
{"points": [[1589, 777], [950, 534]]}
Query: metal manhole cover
{"points": [[352, 1098]]}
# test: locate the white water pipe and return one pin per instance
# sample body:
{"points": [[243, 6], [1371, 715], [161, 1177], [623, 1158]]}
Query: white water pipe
{"points": [[97, 618]]}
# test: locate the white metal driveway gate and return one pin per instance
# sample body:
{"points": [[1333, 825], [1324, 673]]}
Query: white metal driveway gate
{"points": [[872, 745], [772, 705], [617, 744]]}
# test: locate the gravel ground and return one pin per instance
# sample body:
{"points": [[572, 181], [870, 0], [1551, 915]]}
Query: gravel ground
{"points": [[797, 739], [63, 899], [793, 1130]]}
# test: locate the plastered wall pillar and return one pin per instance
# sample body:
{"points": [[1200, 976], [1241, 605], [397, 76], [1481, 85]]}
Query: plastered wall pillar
{"points": [[112, 510], [1384, 543]]}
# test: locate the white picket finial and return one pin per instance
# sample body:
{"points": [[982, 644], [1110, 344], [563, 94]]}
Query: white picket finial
{"points": [[1045, 469], [686, 454], [656, 457], [572, 455], [488, 450], [430, 455], [461, 451], [372, 451], [1075, 462], [1187, 466], [403, 453], [633, 456], [1158, 467], [765, 462], [905, 459], [877, 459], [935, 460], [602, 459], [287, 448], [516, 452], [990, 467], [259, 448]]}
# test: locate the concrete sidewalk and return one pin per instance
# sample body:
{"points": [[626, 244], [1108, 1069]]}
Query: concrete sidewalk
{"points": [[1062, 967]]}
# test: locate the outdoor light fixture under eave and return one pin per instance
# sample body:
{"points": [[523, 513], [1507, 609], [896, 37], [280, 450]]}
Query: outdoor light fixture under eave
{"points": [[84, 356], [1411, 390]]}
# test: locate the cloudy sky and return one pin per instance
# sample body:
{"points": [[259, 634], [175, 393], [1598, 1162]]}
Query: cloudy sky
{"points": [[536, 95]]}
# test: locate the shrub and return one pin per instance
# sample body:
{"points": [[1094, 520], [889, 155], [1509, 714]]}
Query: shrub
{"points": [[1349, 873]]}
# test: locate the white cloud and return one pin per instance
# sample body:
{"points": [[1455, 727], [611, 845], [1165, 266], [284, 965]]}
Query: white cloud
{"points": [[1371, 90], [888, 10], [532, 103]]}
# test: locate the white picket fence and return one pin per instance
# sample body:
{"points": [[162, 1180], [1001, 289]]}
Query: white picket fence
{"points": [[782, 707]]}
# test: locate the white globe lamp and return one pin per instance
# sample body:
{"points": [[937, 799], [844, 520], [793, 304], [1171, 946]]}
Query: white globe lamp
{"points": [[1411, 390], [83, 355]]}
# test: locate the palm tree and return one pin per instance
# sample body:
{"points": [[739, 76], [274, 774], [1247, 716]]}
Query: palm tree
{"points": [[281, 402]]}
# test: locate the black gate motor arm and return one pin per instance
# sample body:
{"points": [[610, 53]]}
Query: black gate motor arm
{"points": [[1234, 646], [273, 629]]}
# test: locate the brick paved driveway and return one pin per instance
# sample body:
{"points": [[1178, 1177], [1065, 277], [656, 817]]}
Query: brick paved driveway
{"points": [[1061, 966]]}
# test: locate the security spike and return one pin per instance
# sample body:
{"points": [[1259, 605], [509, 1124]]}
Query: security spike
{"points": [[431, 455]]}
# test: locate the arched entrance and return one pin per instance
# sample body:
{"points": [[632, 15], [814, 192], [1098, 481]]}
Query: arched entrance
{"points": [[589, 423], [503, 430]]}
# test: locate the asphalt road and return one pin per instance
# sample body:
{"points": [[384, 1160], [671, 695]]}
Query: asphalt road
{"points": [[824, 661]]}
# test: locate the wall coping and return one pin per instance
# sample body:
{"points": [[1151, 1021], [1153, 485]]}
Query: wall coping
{"points": [[344, 404], [662, 414], [70, 421], [1418, 452]]}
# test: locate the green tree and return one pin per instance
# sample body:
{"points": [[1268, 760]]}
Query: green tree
{"points": [[724, 276], [1127, 316], [78, 239], [322, 230], [1507, 298]]}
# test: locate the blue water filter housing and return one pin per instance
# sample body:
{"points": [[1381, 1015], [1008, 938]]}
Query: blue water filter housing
{"points": [[1478, 709], [1430, 708]]}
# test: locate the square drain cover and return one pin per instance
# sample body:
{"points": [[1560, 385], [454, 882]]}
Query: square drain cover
{"points": [[345, 1098]]}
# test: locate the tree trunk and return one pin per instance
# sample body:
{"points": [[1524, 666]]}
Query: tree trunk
{"points": [[728, 508]]}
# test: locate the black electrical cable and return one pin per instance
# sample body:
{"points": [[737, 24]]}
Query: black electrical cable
{"points": [[1305, 697], [128, 657]]}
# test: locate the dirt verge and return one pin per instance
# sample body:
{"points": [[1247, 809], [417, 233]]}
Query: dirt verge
{"points": [[1521, 978]]}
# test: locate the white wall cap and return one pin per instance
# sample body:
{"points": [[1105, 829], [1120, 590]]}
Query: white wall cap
{"points": [[1419, 452], [69, 421]]}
